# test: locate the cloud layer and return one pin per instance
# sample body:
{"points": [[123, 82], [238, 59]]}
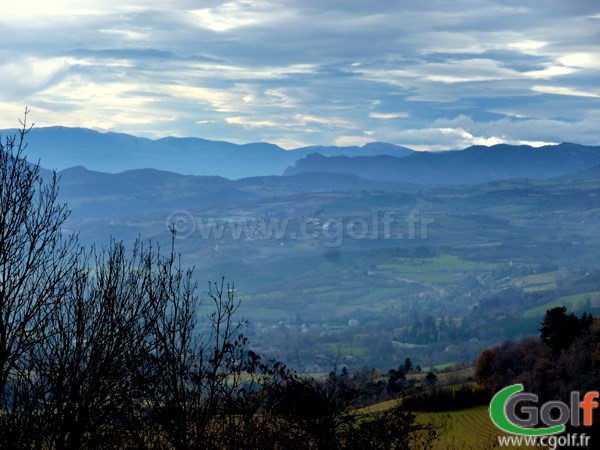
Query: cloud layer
{"points": [[429, 75]]}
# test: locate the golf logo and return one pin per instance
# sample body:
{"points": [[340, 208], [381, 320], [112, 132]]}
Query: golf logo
{"points": [[509, 417]]}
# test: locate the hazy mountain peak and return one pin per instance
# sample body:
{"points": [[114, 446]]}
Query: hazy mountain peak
{"points": [[61, 147], [475, 164]]}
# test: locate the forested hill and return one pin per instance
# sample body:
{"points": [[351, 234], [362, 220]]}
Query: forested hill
{"points": [[473, 165]]}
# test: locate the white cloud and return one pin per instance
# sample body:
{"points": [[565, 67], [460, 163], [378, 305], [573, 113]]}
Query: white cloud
{"points": [[220, 100], [462, 71], [232, 15], [349, 141], [328, 121], [388, 116], [531, 130], [527, 46], [129, 35], [247, 122], [311, 71], [549, 72], [581, 60], [15, 9], [30, 74], [450, 138], [563, 90]]}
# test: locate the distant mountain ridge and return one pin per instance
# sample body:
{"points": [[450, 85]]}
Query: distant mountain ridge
{"points": [[140, 192], [477, 164], [59, 148]]}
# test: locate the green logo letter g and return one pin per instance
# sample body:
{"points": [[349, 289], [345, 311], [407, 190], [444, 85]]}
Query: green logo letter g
{"points": [[501, 416]]}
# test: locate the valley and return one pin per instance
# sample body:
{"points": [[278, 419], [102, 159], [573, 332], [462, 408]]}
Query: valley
{"points": [[334, 268]]}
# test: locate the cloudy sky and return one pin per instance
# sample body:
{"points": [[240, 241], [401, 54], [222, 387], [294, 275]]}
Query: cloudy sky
{"points": [[433, 74]]}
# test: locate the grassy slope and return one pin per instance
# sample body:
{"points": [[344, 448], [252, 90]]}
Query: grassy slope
{"points": [[572, 302], [468, 429]]}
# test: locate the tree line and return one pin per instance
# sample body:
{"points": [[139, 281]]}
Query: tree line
{"points": [[564, 358]]}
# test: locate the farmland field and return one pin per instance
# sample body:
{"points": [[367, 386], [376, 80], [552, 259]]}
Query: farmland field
{"points": [[469, 429], [573, 302]]}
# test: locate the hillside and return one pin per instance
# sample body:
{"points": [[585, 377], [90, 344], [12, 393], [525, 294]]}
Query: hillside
{"points": [[473, 165], [140, 192]]}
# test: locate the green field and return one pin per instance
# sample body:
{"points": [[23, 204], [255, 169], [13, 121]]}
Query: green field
{"points": [[441, 263], [572, 302], [443, 268], [466, 429], [540, 281], [349, 350], [469, 429]]}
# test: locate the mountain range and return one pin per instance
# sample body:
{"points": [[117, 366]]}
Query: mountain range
{"points": [[164, 172], [59, 148], [476, 164]]}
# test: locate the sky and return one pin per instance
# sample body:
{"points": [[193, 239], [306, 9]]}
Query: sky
{"points": [[429, 75]]}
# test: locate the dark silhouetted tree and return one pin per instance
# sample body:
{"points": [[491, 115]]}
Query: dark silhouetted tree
{"points": [[35, 262], [86, 367], [559, 328], [431, 379], [408, 365]]}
